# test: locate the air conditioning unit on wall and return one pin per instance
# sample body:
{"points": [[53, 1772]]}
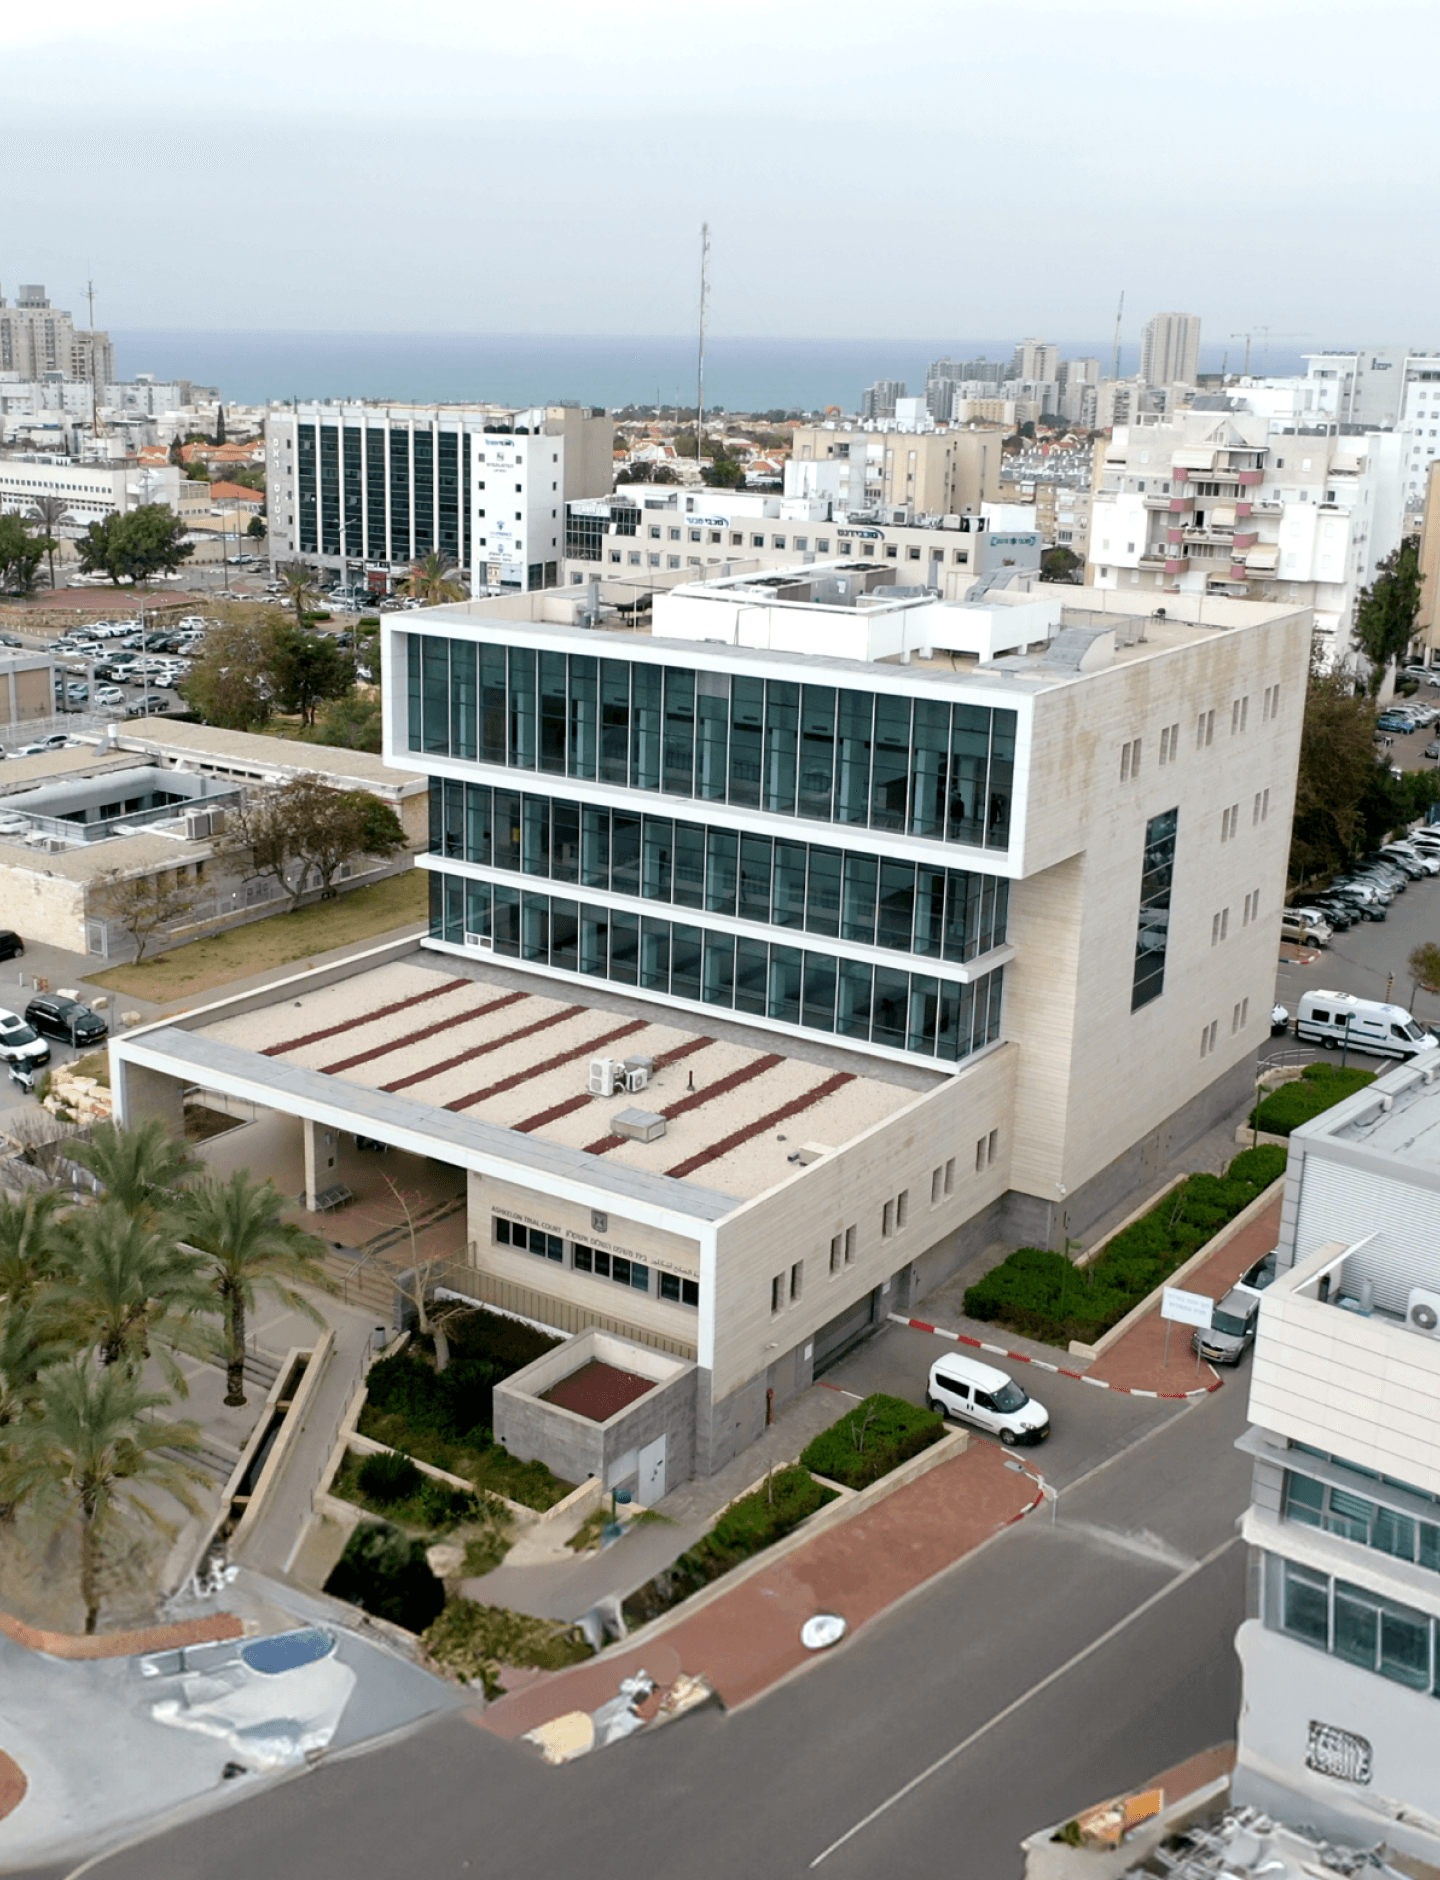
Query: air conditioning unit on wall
{"points": [[1422, 1312], [480, 940]]}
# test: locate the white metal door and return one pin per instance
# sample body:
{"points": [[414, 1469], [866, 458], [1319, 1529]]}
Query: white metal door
{"points": [[652, 1473]]}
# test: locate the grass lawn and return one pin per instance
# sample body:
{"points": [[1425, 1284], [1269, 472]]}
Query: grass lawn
{"points": [[362, 914]]}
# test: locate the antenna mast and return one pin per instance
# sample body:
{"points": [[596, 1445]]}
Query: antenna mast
{"points": [[94, 385], [700, 370], [1119, 316]]}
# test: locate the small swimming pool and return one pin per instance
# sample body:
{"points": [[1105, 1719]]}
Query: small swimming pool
{"points": [[287, 1651]]}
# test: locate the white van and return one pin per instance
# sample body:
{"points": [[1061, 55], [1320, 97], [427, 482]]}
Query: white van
{"points": [[1337, 1018], [978, 1393]]}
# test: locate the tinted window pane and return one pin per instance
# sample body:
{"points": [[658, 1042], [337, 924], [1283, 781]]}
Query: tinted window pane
{"points": [[655, 864], [897, 905], [852, 802], [507, 829], [1305, 1606], [817, 751], [552, 712], [655, 954], [1002, 777], [712, 735], [463, 703], [752, 973], [477, 822], [535, 928], [565, 935], [747, 715], [782, 719], [564, 841], [522, 708], [819, 1005], [646, 726], [924, 1012], [890, 781], [535, 855], [755, 857], [686, 944], [822, 891], [852, 1018], [969, 768], [929, 768], [625, 853], [788, 900], [679, 730], [890, 1023], [584, 701], [785, 977], [507, 921], [595, 941], [689, 884], [1153, 922], [615, 720], [857, 916], [625, 948], [719, 969], [595, 847], [436, 695], [721, 863], [494, 706], [929, 910]]}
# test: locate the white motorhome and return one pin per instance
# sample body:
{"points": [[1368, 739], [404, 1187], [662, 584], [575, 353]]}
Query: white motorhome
{"points": [[1370, 1025]]}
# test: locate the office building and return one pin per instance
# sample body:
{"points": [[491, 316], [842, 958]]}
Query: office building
{"points": [[1170, 350], [1341, 1652], [926, 473], [879, 400], [89, 491], [789, 945], [37, 340], [1243, 500], [365, 490]]}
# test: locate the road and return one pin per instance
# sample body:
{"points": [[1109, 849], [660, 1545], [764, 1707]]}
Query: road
{"points": [[1057, 1665]]}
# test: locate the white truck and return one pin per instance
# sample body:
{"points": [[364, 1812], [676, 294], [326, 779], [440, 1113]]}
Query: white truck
{"points": [[1370, 1025]]}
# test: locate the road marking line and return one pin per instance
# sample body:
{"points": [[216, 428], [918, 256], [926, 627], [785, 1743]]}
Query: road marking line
{"points": [[1024, 1698]]}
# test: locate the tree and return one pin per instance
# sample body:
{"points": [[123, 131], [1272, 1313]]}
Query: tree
{"points": [[1060, 564], [135, 546], [229, 685], [648, 473], [141, 1168], [21, 554], [50, 512], [129, 1282], [431, 580], [177, 449], [250, 476], [197, 470], [255, 528], [355, 722], [236, 1224], [146, 906], [1386, 610], [32, 1243], [87, 1449], [219, 437], [299, 588], [1337, 767], [291, 828], [306, 668], [723, 473], [1424, 966]]}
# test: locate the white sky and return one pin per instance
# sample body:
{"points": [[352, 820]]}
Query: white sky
{"points": [[945, 166]]}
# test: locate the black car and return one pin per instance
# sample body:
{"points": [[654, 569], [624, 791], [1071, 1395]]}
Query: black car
{"points": [[12, 947], [54, 1016], [1340, 914]]}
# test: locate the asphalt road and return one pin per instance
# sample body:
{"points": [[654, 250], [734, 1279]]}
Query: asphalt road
{"points": [[1059, 1664]]}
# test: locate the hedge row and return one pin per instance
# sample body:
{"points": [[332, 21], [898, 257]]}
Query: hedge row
{"points": [[871, 1440], [1317, 1088], [1042, 1295]]}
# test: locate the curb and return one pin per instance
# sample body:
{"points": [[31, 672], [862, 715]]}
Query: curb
{"points": [[1021, 1357]]}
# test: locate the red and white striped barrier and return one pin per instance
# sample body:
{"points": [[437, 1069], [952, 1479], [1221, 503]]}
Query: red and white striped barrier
{"points": [[1042, 1364]]}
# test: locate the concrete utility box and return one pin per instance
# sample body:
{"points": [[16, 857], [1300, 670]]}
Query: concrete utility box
{"points": [[638, 1125]]}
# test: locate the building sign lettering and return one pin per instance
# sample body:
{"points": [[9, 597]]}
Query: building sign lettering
{"points": [[594, 1240]]}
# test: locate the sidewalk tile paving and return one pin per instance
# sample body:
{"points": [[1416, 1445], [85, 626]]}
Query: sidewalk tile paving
{"points": [[748, 1639]]}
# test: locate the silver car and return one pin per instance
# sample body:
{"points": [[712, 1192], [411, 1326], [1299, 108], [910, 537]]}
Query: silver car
{"points": [[1232, 1328]]}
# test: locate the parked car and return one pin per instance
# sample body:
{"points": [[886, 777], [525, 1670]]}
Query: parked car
{"points": [[978, 1393], [1410, 857], [1231, 1331], [1342, 915], [12, 947], [147, 705], [109, 695], [1305, 927], [55, 1016], [1279, 1021], [1392, 721], [21, 1043]]}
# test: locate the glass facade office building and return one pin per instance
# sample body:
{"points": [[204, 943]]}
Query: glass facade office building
{"points": [[781, 927], [383, 492]]}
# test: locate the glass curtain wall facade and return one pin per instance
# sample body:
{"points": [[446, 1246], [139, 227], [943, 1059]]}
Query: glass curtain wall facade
{"points": [[1152, 935], [834, 754], [400, 491]]}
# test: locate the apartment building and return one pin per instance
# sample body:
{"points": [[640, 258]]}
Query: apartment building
{"points": [[89, 491], [880, 399], [790, 945], [364, 490], [659, 535], [1170, 349], [1236, 497], [37, 339], [1341, 1652], [930, 473]]}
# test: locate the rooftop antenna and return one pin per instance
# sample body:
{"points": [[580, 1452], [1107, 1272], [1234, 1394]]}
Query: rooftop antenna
{"points": [[700, 369], [94, 383], [1119, 316]]}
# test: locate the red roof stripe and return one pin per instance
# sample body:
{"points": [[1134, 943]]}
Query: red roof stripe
{"points": [[604, 1144], [733, 1141], [366, 1018], [419, 1037], [484, 1050]]}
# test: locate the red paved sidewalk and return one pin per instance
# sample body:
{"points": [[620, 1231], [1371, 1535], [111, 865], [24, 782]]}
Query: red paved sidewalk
{"points": [[1136, 1362], [749, 1638]]}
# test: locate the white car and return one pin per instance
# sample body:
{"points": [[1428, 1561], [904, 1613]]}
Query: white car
{"points": [[21, 1043], [109, 695]]}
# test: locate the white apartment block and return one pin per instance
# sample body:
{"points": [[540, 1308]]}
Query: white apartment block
{"points": [[1170, 349], [1237, 502], [365, 490], [1341, 1656], [89, 491], [789, 946]]}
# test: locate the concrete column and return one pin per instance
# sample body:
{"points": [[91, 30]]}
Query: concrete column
{"points": [[142, 1094], [319, 1159]]}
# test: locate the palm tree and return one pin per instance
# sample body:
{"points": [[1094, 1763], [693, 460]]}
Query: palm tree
{"points": [[130, 1281], [432, 581], [299, 588], [237, 1224], [50, 512], [90, 1436], [141, 1168], [32, 1242]]}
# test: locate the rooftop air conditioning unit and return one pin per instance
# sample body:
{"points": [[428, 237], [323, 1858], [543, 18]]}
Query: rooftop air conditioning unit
{"points": [[200, 823], [1422, 1313], [636, 1080], [603, 1072], [481, 940]]}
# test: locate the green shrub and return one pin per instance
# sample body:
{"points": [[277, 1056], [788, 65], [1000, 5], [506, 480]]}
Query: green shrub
{"points": [[1043, 1295], [871, 1440], [384, 1571], [388, 1477], [471, 1640], [756, 1521], [1317, 1088]]}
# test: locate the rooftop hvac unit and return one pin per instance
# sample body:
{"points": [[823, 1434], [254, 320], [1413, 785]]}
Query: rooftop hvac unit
{"points": [[636, 1079], [200, 823], [602, 1076], [481, 940], [1422, 1313]]}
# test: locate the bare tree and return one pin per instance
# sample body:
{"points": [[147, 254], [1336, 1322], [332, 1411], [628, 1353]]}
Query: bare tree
{"points": [[145, 906], [416, 1283]]}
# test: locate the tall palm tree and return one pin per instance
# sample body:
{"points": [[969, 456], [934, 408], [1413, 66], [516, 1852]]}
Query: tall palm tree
{"points": [[140, 1168], [32, 1242], [50, 512], [130, 1282], [431, 580], [89, 1439], [237, 1224], [299, 588]]}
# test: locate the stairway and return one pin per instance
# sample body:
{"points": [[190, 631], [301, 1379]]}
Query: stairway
{"points": [[215, 1458]]}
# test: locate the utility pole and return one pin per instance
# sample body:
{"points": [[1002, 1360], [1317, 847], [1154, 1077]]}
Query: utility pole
{"points": [[700, 370]]}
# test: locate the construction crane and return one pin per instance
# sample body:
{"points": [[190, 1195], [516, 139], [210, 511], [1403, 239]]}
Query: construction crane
{"points": [[1269, 333]]}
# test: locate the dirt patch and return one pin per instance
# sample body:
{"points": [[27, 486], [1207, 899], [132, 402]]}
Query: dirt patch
{"points": [[201, 1122], [597, 1390]]}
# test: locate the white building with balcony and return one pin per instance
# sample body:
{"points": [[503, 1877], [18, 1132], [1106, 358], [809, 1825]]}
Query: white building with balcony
{"points": [[1341, 1656]]}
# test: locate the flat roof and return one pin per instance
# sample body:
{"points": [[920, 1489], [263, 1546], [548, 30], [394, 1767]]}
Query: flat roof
{"points": [[489, 1048], [1407, 1131], [242, 748]]}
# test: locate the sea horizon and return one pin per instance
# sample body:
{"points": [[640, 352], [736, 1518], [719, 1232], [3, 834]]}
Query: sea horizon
{"points": [[252, 367]]}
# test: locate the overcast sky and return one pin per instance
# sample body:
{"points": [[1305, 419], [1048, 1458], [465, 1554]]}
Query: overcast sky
{"points": [[945, 167]]}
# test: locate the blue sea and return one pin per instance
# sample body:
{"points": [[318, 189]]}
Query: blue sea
{"points": [[253, 367]]}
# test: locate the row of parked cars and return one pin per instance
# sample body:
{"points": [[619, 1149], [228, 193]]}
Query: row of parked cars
{"points": [[1407, 716], [1366, 892]]}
